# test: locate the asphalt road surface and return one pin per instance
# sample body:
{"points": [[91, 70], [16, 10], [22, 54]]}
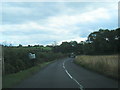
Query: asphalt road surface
{"points": [[65, 74]]}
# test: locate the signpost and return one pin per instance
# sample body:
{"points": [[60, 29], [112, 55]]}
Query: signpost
{"points": [[32, 57]]}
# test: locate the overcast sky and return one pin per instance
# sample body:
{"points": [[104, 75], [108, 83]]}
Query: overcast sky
{"points": [[45, 22]]}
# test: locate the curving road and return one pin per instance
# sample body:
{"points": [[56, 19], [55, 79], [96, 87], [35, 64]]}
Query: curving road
{"points": [[65, 74]]}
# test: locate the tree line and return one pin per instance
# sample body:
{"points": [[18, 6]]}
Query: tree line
{"points": [[103, 41]]}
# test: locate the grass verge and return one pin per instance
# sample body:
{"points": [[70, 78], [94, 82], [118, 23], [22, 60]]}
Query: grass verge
{"points": [[9, 81], [103, 64]]}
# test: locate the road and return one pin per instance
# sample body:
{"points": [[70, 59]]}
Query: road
{"points": [[65, 74]]}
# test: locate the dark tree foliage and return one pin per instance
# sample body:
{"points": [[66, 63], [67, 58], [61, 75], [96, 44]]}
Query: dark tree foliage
{"points": [[103, 41]]}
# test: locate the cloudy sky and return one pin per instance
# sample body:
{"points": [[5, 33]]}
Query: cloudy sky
{"points": [[45, 22]]}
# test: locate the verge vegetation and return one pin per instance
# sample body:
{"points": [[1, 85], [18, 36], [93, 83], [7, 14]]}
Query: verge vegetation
{"points": [[17, 59], [104, 64], [17, 65], [11, 80]]}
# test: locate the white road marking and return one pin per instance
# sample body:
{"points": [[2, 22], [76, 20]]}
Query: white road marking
{"points": [[80, 86], [64, 67], [68, 74]]}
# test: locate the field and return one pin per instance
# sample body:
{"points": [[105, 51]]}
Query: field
{"points": [[103, 64]]}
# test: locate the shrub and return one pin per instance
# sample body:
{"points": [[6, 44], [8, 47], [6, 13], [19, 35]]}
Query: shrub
{"points": [[9, 68], [16, 58]]}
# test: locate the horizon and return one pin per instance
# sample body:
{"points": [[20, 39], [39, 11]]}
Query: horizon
{"points": [[52, 44]]}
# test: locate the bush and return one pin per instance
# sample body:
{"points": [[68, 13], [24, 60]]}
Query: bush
{"points": [[9, 68], [16, 58]]}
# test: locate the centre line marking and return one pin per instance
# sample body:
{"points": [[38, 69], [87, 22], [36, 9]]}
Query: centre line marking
{"points": [[68, 74], [80, 86]]}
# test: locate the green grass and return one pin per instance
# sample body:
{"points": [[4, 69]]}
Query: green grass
{"points": [[11, 80], [103, 64], [44, 48]]}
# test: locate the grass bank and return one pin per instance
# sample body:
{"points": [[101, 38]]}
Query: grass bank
{"points": [[104, 64], [11, 80]]}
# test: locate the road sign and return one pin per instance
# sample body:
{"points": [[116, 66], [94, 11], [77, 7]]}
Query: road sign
{"points": [[32, 56]]}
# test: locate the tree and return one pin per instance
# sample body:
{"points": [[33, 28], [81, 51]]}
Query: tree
{"points": [[65, 47], [104, 41], [20, 45], [29, 45]]}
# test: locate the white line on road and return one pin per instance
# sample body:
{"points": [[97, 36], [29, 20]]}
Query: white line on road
{"points": [[68, 74], [80, 86], [64, 67]]}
